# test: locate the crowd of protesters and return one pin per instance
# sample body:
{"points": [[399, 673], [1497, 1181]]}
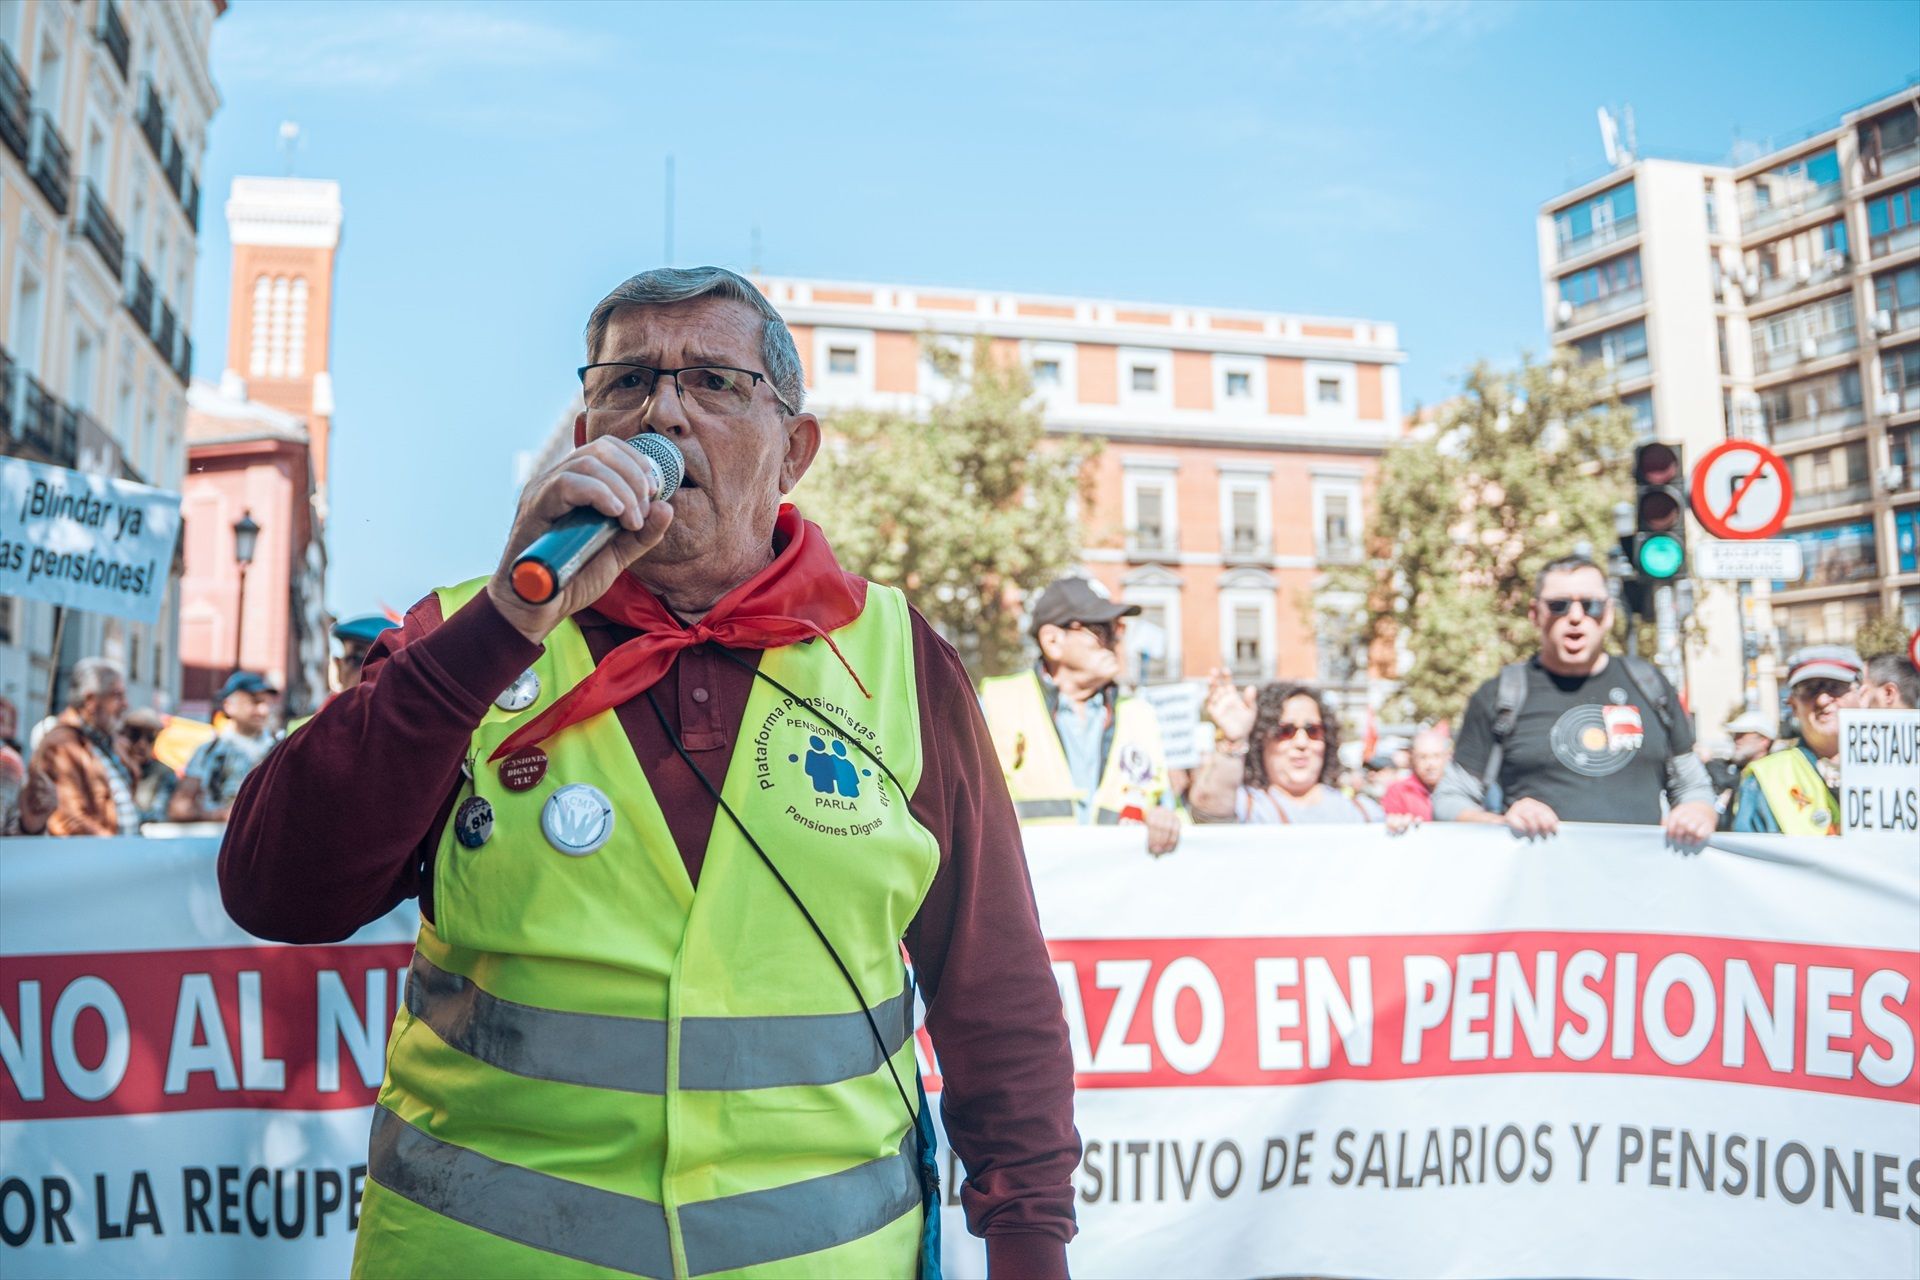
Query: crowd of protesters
{"points": [[94, 768], [1574, 733]]}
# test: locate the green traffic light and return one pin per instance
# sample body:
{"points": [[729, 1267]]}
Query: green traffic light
{"points": [[1661, 556]]}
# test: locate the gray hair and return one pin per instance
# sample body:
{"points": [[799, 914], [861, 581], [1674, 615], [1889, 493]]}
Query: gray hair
{"points": [[1896, 670], [664, 285], [93, 676]]}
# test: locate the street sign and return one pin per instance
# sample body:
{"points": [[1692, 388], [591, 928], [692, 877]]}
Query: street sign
{"points": [[1741, 490], [1777, 560]]}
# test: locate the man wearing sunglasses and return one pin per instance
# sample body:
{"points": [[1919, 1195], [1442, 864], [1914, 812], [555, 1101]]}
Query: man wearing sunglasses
{"points": [[1791, 790], [1071, 747], [1575, 735], [669, 833]]}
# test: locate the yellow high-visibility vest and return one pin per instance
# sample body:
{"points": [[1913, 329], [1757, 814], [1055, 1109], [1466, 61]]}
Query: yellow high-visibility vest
{"points": [[1035, 764], [1802, 803], [598, 1071]]}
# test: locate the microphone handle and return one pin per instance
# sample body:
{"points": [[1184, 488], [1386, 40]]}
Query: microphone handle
{"points": [[550, 560]]}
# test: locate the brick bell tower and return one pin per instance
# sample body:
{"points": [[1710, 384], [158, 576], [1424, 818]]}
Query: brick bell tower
{"points": [[285, 233]]}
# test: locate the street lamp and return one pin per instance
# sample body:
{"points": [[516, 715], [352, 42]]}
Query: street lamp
{"points": [[246, 532]]}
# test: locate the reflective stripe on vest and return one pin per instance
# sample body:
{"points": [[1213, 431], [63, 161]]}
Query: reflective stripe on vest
{"points": [[630, 1054], [626, 1233]]}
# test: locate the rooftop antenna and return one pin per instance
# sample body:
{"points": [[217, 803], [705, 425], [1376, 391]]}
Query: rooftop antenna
{"points": [[290, 144]]}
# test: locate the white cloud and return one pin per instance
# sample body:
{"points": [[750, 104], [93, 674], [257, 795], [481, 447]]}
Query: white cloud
{"points": [[372, 46]]}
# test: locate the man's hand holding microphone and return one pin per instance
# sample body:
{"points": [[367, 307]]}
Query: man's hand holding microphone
{"points": [[581, 525]]}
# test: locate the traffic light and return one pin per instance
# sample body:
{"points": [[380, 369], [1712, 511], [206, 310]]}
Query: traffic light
{"points": [[1659, 547]]}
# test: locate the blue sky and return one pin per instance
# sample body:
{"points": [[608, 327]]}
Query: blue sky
{"points": [[501, 168]]}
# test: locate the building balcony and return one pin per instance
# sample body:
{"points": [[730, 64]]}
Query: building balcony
{"points": [[1894, 241], [1627, 371], [163, 332], [40, 422], [112, 33], [15, 111], [1570, 315], [1827, 499], [1247, 547], [1896, 401], [1821, 423], [1888, 163], [1152, 543], [6, 392], [190, 200], [1894, 324], [152, 120], [1804, 275], [1600, 238], [50, 164], [1337, 551], [140, 296], [101, 231], [183, 361], [1754, 219], [1774, 360], [174, 165]]}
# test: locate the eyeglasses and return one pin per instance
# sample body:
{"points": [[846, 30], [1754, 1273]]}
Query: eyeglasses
{"points": [[718, 389], [1286, 729], [1811, 691], [1592, 606], [1107, 633]]}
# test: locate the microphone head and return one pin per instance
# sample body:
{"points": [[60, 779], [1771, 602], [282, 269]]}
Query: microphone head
{"points": [[666, 456]]}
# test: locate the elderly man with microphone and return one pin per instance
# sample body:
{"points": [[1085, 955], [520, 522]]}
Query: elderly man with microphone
{"points": [[672, 790]]}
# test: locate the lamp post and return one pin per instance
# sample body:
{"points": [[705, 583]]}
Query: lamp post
{"points": [[246, 532]]}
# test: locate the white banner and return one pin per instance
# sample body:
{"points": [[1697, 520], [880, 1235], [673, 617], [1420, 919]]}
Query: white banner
{"points": [[1299, 1053], [86, 541], [1330, 1052], [177, 1098], [1880, 772]]}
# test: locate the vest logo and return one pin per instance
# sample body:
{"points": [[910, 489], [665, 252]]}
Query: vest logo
{"points": [[823, 766]]}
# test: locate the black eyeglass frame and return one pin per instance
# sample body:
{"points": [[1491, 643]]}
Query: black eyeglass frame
{"points": [[1560, 607], [1107, 633], [658, 374]]}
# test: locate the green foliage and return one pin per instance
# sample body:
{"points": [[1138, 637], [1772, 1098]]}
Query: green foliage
{"points": [[1883, 634], [1522, 467], [964, 510]]}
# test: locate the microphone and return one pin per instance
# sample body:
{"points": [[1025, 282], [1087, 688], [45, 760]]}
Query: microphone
{"points": [[550, 560]]}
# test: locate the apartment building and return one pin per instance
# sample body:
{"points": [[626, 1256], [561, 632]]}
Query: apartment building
{"points": [[103, 120], [1239, 447], [1774, 299]]}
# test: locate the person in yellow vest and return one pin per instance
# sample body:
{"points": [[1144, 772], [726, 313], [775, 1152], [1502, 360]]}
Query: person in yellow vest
{"points": [[674, 835], [1791, 790], [1072, 747]]}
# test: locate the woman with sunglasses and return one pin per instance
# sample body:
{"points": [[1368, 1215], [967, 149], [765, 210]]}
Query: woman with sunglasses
{"points": [[1276, 755]]}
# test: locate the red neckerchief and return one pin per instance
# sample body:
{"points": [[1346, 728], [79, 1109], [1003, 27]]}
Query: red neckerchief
{"points": [[803, 593]]}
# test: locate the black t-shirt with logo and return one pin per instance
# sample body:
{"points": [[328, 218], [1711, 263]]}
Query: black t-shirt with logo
{"points": [[1591, 748]]}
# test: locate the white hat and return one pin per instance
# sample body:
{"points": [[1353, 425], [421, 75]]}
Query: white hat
{"points": [[1751, 722]]}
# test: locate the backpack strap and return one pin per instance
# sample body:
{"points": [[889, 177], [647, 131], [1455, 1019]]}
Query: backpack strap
{"points": [[1510, 696], [1655, 687]]}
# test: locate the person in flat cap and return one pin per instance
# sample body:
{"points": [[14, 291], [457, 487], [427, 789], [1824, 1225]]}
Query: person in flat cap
{"points": [[1072, 747], [218, 765], [1792, 790]]}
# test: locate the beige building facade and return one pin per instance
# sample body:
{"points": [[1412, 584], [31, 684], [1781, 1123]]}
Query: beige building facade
{"points": [[104, 109], [1778, 300]]}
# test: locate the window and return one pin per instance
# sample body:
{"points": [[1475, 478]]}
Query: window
{"points": [[1891, 138], [1903, 451], [279, 332], [1145, 379], [1046, 373], [1327, 390], [843, 360], [1152, 666], [1830, 477], [1835, 555], [1821, 622], [1818, 329], [1616, 348], [1239, 385], [1890, 213], [6, 621], [1335, 534], [1609, 279], [1245, 530], [1805, 183], [1149, 524], [1640, 405], [1595, 221], [1247, 659], [1814, 407], [1713, 211], [1898, 294], [1900, 379]]}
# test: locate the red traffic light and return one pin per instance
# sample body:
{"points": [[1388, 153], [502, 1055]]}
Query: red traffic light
{"points": [[1656, 463]]}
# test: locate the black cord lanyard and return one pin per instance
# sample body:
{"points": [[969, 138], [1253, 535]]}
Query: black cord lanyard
{"points": [[680, 750]]}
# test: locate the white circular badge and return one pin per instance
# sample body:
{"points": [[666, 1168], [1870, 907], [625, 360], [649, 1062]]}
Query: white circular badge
{"points": [[577, 819], [521, 694]]}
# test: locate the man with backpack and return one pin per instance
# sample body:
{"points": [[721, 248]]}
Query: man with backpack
{"points": [[1575, 734]]}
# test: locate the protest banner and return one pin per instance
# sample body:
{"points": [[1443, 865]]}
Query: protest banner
{"points": [[1177, 707], [1448, 1053], [177, 1098], [1880, 772], [1331, 1052], [85, 541]]}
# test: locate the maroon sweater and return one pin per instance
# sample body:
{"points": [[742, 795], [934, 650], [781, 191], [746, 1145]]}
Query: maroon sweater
{"points": [[340, 823]]}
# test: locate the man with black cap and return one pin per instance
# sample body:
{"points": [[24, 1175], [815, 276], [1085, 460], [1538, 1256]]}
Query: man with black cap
{"points": [[1072, 748], [1791, 791], [218, 765]]}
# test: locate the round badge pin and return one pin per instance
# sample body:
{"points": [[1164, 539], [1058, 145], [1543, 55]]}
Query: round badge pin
{"points": [[473, 822], [577, 819], [521, 694], [1821, 818], [1617, 696], [523, 770]]}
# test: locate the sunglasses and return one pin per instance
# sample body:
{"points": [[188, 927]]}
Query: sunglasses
{"points": [[1106, 633], [1811, 691], [1592, 606], [1286, 729]]}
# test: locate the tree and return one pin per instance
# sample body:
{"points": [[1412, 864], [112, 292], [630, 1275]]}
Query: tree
{"points": [[964, 509], [1519, 470], [1883, 633]]}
